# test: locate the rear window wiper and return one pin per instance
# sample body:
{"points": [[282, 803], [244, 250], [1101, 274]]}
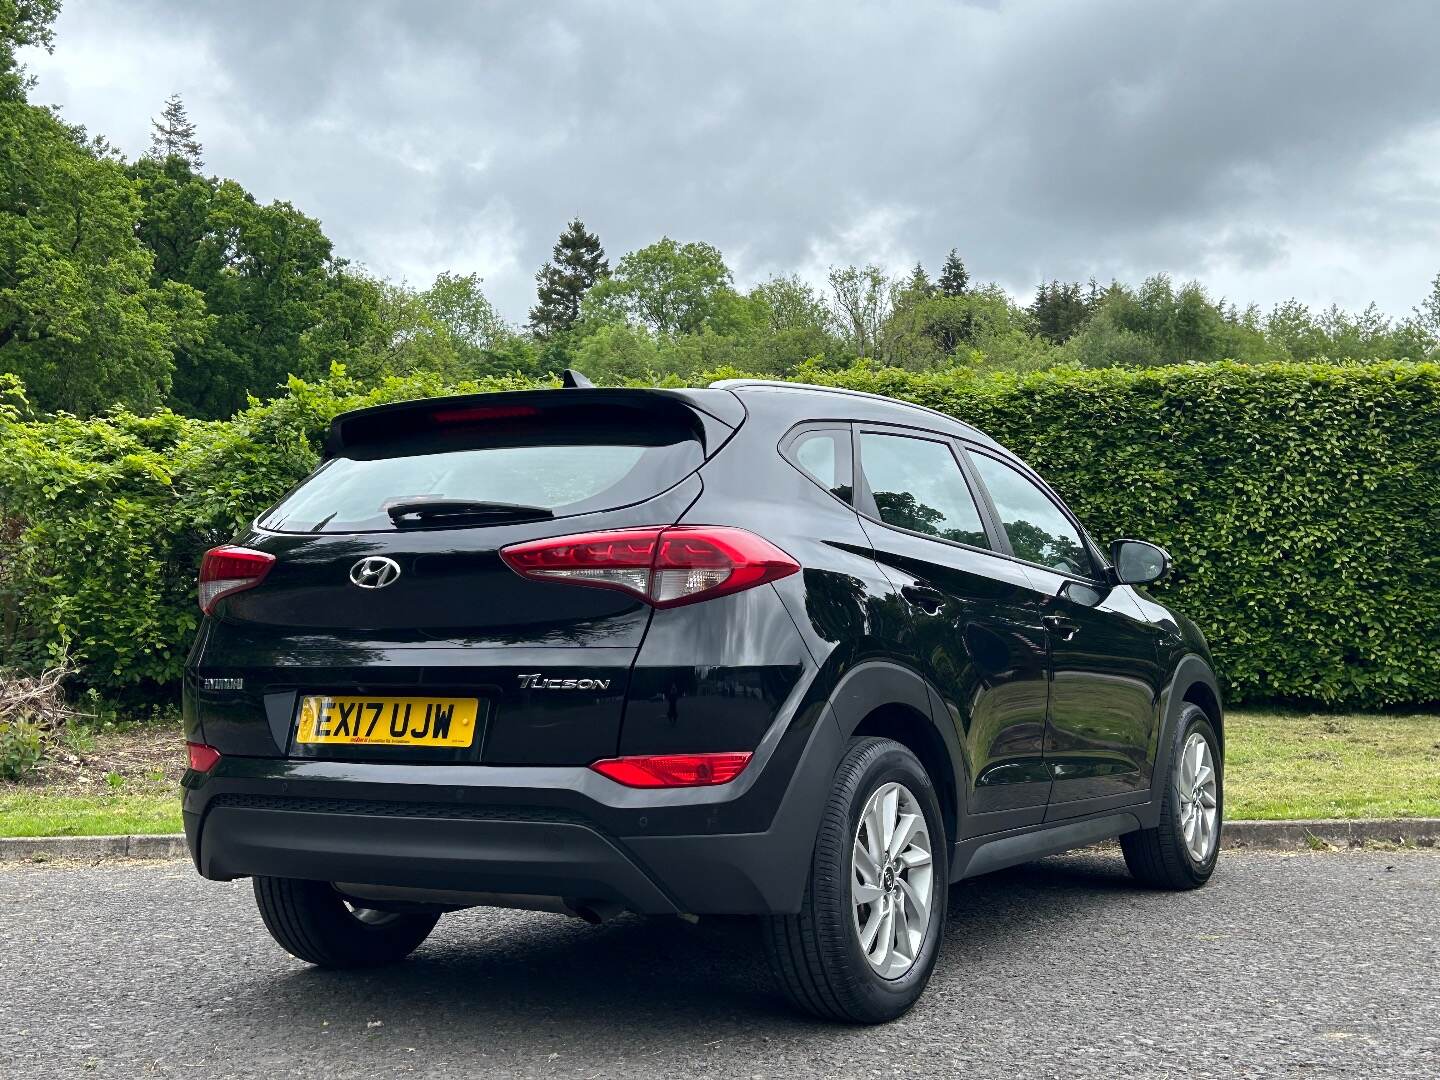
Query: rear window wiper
{"points": [[428, 509]]}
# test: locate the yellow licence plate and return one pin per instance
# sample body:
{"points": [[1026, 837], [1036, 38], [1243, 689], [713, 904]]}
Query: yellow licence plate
{"points": [[388, 721]]}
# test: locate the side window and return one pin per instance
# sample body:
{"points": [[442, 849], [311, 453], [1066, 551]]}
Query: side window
{"points": [[917, 485], [1038, 530], [825, 458]]}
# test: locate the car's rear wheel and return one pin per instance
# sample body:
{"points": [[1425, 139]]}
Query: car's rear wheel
{"points": [[313, 922], [863, 945], [1181, 851]]}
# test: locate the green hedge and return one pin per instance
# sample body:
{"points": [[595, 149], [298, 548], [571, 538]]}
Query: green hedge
{"points": [[1301, 503], [102, 522]]}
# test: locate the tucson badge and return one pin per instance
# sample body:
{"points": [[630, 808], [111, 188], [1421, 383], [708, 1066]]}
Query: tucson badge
{"points": [[540, 682]]}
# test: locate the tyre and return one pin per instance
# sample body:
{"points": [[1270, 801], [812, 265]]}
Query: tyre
{"points": [[868, 932], [312, 923], [1180, 853]]}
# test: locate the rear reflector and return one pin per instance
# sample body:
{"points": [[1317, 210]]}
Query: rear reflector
{"points": [[674, 770], [202, 758], [226, 570], [665, 567]]}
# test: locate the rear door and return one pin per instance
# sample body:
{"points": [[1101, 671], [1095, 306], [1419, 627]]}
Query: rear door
{"points": [[435, 490], [966, 614], [1103, 652]]}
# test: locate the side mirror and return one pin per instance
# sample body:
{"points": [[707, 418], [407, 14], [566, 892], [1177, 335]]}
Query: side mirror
{"points": [[1138, 563]]}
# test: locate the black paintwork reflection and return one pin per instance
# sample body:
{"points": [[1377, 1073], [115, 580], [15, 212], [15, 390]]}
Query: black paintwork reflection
{"points": [[452, 584], [836, 604], [1105, 695], [984, 651], [712, 676], [457, 618]]}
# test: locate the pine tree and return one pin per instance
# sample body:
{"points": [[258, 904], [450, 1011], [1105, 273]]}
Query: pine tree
{"points": [[578, 262], [919, 282], [954, 279], [174, 135], [914, 290], [1059, 310]]}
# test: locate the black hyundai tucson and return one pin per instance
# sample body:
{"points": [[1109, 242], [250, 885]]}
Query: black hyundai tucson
{"points": [[766, 649]]}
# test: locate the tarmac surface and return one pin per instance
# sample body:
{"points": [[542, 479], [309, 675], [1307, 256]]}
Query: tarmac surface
{"points": [[1286, 965]]}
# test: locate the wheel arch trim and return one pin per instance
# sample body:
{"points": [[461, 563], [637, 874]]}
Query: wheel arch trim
{"points": [[873, 687], [1192, 672]]}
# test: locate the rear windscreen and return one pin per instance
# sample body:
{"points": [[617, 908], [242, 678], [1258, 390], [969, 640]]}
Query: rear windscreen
{"points": [[564, 461]]}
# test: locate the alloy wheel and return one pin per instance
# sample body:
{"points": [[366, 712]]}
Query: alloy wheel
{"points": [[1196, 785], [890, 888]]}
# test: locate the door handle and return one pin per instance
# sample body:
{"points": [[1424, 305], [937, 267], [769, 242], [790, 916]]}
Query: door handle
{"points": [[926, 597], [1060, 626]]}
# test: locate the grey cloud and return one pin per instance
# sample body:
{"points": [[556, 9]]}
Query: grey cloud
{"points": [[1114, 139]]}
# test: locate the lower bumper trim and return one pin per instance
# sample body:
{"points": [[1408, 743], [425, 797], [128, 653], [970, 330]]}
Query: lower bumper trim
{"points": [[546, 858]]}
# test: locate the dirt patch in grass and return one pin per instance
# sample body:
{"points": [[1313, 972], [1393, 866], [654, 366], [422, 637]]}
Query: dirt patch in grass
{"points": [[142, 756], [97, 783]]}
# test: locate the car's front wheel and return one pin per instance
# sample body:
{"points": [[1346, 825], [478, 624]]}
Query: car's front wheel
{"points": [[866, 937], [312, 922], [1181, 851]]}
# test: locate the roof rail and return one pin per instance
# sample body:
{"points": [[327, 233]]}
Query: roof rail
{"points": [[738, 384]]}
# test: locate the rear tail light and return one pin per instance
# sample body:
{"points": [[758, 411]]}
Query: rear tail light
{"points": [[665, 567], [673, 770], [226, 570], [202, 758]]}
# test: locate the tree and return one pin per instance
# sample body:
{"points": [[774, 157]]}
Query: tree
{"points": [[862, 300], [462, 308], [1059, 310], [916, 287], [279, 302], [578, 262], [671, 289], [81, 320], [793, 304], [173, 135], [1428, 313], [954, 278], [22, 23]]}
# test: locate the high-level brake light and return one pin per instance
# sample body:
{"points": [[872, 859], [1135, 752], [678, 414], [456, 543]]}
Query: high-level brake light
{"points": [[475, 414], [665, 567]]}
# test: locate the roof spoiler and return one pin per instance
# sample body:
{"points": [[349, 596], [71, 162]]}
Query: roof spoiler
{"points": [[718, 417]]}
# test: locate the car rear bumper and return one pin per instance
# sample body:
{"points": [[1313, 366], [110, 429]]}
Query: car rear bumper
{"points": [[568, 833]]}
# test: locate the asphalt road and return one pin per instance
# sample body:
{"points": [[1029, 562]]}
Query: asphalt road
{"points": [[1286, 965]]}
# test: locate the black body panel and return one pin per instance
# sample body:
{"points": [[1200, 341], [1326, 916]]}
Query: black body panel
{"points": [[1036, 739]]}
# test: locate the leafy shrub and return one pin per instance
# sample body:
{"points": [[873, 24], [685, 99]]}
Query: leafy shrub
{"points": [[109, 518], [1300, 502], [22, 742], [32, 711]]}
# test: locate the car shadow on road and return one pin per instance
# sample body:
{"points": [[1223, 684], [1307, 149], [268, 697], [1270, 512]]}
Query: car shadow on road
{"points": [[486, 970]]}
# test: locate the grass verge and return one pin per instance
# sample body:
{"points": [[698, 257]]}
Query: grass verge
{"points": [[1290, 765], [37, 813], [123, 779], [1279, 766]]}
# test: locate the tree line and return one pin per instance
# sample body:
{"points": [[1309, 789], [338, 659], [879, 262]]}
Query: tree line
{"points": [[149, 284]]}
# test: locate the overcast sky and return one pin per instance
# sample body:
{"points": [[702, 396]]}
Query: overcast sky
{"points": [[1270, 150]]}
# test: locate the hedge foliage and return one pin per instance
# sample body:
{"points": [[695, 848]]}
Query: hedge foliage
{"points": [[1301, 503], [103, 521]]}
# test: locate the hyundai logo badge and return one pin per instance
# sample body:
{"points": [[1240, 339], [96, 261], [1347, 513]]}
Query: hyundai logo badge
{"points": [[375, 572]]}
